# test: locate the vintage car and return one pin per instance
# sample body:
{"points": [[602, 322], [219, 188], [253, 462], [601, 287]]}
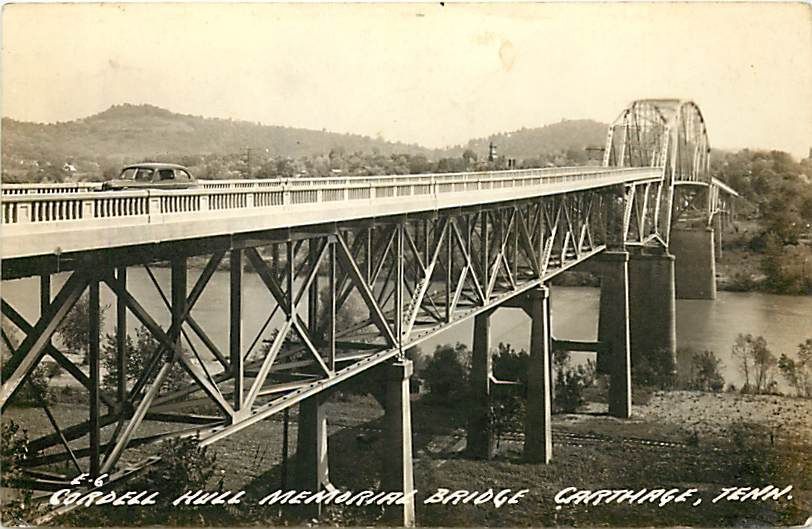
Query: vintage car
{"points": [[151, 175]]}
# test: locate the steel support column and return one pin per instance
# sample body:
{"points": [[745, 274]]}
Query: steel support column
{"points": [[94, 331], [121, 338], [235, 326], [179, 273]]}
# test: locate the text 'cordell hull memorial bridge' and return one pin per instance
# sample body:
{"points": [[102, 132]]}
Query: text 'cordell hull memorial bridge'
{"points": [[420, 253]]}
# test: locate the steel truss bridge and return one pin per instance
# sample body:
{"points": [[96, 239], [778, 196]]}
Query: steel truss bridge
{"points": [[358, 270]]}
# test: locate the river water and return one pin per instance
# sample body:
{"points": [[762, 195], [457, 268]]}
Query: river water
{"points": [[785, 321]]}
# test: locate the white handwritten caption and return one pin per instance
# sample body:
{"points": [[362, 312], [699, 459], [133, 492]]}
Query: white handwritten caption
{"points": [[663, 497], [441, 496]]}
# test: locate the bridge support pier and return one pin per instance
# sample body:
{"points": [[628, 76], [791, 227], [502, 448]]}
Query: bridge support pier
{"points": [[696, 263], [397, 472], [652, 305], [312, 470], [613, 330], [538, 436], [480, 441]]}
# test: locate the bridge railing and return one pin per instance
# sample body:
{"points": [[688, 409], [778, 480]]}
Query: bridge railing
{"points": [[55, 188], [86, 187], [49, 206]]}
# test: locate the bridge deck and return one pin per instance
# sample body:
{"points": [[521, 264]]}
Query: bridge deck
{"points": [[79, 220]]}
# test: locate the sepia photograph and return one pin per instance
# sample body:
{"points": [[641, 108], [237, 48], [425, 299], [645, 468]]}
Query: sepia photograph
{"points": [[448, 264]]}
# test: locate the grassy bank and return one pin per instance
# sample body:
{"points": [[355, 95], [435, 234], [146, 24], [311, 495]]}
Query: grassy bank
{"points": [[678, 439]]}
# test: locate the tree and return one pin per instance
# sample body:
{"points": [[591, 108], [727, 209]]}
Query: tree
{"points": [[509, 403], [705, 372], [570, 383], [75, 328], [756, 362], [469, 157], [509, 364], [446, 373], [798, 373], [137, 354]]}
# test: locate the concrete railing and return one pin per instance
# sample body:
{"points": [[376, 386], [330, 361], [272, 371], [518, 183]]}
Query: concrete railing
{"points": [[30, 189], [82, 203]]}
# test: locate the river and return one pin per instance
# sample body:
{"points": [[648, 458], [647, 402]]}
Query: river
{"points": [[785, 321]]}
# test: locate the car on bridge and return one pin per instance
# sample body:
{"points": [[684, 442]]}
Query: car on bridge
{"points": [[152, 175]]}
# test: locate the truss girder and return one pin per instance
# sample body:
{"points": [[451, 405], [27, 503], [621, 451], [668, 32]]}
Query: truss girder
{"points": [[341, 301]]}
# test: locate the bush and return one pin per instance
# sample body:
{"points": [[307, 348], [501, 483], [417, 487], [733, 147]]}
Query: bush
{"points": [[509, 404], [509, 364], [705, 373], [798, 373], [184, 466], [446, 374], [571, 382], [137, 354], [657, 369], [75, 328], [13, 452], [570, 386]]}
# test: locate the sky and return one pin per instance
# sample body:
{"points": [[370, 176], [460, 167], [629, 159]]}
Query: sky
{"points": [[420, 73]]}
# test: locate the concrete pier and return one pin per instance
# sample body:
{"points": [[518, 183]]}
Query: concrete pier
{"points": [[538, 436], [481, 443], [652, 305], [613, 330], [696, 263], [397, 473], [312, 470]]}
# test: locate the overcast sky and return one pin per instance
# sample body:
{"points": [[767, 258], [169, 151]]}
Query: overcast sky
{"points": [[418, 73]]}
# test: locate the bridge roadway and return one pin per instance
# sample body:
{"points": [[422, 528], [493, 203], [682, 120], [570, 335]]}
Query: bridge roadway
{"points": [[41, 220]]}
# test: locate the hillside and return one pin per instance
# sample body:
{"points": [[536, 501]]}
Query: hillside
{"points": [[575, 135], [135, 131]]}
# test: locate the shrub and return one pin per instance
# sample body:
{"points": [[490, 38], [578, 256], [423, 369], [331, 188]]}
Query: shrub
{"points": [[137, 354], [657, 369], [705, 372], [75, 328], [13, 452], [446, 373], [509, 404], [798, 373], [184, 465], [570, 383], [509, 364]]}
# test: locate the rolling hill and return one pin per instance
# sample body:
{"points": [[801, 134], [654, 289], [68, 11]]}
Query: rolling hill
{"points": [[525, 143], [132, 132]]}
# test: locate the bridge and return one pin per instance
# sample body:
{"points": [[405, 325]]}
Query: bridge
{"points": [[420, 253]]}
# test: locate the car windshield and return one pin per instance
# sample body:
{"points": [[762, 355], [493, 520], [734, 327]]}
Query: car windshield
{"points": [[128, 174]]}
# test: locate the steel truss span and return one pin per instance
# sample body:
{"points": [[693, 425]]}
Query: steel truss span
{"points": [[670, 134], [356, 271], [405, 277]]}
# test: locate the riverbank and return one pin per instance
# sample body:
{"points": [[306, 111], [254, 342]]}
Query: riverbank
{"points": [[657, 447]]}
